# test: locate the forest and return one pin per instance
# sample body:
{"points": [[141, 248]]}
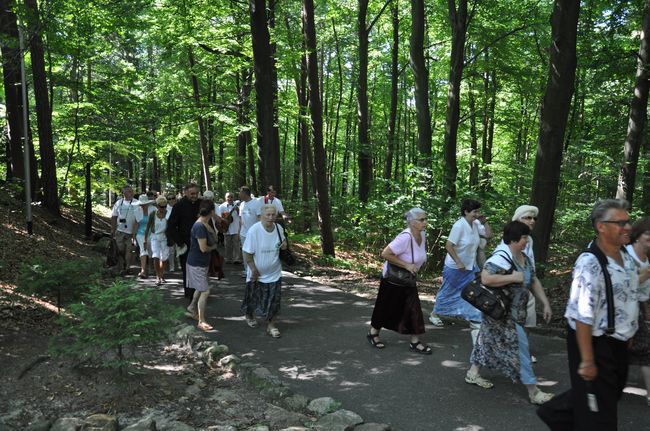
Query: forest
{"points": [[355, 110]]}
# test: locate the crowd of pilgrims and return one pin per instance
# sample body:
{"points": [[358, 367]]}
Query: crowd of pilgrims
{"points": [[186, 231]]}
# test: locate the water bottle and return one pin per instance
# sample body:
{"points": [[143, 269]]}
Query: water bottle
{"points": [[592, 402]]}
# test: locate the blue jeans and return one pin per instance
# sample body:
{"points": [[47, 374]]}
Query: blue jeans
{"points": [[526, 374]]}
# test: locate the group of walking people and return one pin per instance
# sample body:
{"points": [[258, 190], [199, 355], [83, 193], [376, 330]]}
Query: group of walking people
{"points": [[596, 355], [191, 229]]}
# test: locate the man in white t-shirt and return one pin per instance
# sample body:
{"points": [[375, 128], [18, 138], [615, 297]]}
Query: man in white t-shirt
{"points": [[271, 198], [229, 211], [249, 212], [122, 225]]}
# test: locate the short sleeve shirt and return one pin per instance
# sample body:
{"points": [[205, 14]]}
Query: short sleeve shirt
{"points": [[195, 256], [465, 238], [401, 246], [125, 212], [249, 212], [223, 211], [265, 248], [587, 301]]}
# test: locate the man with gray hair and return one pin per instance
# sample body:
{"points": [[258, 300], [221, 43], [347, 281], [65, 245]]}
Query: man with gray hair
{"points": [[600, 325]]}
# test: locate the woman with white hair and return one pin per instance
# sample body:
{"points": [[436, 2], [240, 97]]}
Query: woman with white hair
{"points": [[264, 270], [527, 214], [398, 307]]}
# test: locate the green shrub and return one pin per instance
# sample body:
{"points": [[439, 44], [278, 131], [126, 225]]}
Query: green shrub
{"points": [[68, 280], [111, 321]]}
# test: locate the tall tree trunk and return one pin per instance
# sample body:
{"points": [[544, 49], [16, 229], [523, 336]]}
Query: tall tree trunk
{"points": [[638, 111], [458, 19], [486, 183], [364, 144], [244, 135], [394, 79], [421, 78], [316, 108], [473, 138], [13, 98], [555, 110], [143, 171], [339, 101], [203, 139], [43, 113], [267, 136]]}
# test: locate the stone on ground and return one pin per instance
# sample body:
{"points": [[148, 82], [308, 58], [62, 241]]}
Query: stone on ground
{"points": [[323, 405], [341, 420]]}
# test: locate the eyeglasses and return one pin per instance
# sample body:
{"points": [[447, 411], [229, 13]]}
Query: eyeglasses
{"points": [[530, 218], [162, 206], [619, 223], [421, 219]]}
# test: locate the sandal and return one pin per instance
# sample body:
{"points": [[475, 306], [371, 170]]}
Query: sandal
{"points": [[250, 321], [475, 379], [204, 326], [424, 350], [539, 397], [374, 340]]}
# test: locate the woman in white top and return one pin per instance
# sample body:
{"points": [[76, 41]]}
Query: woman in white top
{"points": [[638, 248], [460, 267], [156, 238], [264, 270]]}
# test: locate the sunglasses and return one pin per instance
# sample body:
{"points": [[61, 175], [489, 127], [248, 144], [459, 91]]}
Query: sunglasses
{"points": [[530, 218], [162, 206], [619, 223]]}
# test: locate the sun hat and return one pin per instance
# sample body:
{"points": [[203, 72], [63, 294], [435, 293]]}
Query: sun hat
{"points": [[525, 209], [144, 200]]}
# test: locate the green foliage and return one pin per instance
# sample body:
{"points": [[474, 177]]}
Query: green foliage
{"points": [[67, 279], [110, 321]]}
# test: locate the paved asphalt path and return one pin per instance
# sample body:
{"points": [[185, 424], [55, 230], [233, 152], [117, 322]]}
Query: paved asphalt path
{"points": [[323, 352]]}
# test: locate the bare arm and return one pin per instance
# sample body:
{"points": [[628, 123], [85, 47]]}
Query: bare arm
{"points": [[587, 368], [500, 280], [203, 245], [391, 257], [449, 246], [539, 293], [250, 261]]}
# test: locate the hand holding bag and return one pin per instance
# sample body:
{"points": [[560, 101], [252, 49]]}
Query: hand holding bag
{"points": [[494, 302], [285, 255], [401, 276]]}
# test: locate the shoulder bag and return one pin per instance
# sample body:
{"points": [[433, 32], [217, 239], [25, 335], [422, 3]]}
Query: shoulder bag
{"points": [[401, 276], [494, 302], [285, 255]]}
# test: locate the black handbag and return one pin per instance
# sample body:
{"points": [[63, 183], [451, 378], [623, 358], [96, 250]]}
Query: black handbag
{"points": [[492, 302], [285, 255], [401, 276]]}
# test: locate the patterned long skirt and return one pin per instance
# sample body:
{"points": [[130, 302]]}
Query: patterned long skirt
{"points": [[262, 299]]}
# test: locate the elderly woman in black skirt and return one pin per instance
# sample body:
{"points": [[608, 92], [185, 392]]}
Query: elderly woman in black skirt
{"points": [[397, 307]]}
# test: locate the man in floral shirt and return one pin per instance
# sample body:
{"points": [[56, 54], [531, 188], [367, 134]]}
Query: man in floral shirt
{"points": [[598, 355]]}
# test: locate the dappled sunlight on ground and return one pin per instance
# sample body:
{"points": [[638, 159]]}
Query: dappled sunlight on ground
{"points": [[454, 364]]}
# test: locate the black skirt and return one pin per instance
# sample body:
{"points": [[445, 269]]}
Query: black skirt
{"points": [[398, 308]]}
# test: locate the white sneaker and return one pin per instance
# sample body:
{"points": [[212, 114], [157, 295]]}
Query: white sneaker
{"points": [[435, 320], [533, 359]]}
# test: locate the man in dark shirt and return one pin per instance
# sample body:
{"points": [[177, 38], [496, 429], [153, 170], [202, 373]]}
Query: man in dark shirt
{"points": [[179, 227]]}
